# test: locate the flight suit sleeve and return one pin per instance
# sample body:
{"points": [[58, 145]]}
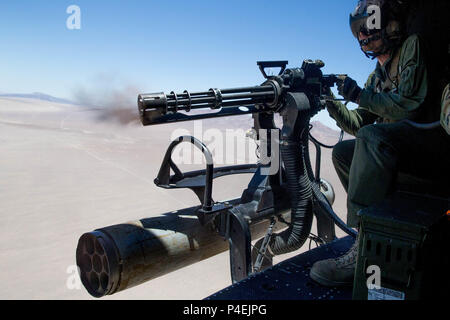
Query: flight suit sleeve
{"points": [[351, 120], [402, 102]]}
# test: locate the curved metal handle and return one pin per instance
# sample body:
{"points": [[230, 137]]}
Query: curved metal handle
{"points": [[164, 172], [272, 64]]}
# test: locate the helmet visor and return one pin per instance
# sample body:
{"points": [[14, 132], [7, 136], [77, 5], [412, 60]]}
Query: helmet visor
{"points": [[361, 9]]}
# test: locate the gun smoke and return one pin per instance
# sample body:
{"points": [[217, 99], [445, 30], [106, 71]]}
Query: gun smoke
{"points": [[113, 100]]}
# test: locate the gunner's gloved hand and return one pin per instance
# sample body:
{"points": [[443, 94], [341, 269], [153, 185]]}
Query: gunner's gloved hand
{"points": [[349, 89]]}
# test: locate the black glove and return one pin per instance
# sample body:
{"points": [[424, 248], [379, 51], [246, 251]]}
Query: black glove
{"points": [[349, 89]]}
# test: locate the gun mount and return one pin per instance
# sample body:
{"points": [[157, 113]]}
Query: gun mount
{"points": [[284, 191]]}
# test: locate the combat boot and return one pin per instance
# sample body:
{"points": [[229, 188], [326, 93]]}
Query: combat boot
{"points": [[336, 272]]}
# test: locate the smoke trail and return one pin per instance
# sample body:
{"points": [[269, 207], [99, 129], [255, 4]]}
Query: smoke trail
{"points": [[114, 99]]}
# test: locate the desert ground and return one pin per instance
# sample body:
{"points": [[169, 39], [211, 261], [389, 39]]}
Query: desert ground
{"points": [[67, 169]]}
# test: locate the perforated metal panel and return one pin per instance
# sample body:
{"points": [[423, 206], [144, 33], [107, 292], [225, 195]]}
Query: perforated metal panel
{"points": [[289, 280]]}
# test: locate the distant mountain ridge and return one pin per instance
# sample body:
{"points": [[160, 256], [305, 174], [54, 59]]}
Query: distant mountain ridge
{"points": [[38, 96]]}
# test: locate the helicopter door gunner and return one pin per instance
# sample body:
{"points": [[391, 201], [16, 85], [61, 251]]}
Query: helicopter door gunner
{"points": [[388, 153]]}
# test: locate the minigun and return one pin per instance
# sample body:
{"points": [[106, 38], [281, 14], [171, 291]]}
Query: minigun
{"points": [[283, 195], [157, 108]]}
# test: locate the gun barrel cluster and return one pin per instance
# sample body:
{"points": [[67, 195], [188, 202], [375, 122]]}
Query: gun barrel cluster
{"points": [[213, 99]]}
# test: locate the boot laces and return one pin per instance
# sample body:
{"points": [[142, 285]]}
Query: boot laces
{"points": [[349, 258]]}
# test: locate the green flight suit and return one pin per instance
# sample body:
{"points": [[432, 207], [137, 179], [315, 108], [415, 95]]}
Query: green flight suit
{"points": [[389, 154]]}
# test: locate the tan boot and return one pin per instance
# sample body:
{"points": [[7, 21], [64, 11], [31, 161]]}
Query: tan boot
{"points": [[336, 272]]}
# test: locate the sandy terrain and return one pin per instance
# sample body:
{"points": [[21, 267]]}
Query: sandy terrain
{"points": [[64, 172]]}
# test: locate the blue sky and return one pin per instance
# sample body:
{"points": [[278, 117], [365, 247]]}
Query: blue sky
{"points": [[169, 45]]}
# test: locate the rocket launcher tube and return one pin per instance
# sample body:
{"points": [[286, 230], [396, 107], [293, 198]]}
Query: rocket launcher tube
{"points": [[119, 257]]}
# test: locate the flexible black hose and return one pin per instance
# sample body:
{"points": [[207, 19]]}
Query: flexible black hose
{"points": [[322, 200], [299, 188]]}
